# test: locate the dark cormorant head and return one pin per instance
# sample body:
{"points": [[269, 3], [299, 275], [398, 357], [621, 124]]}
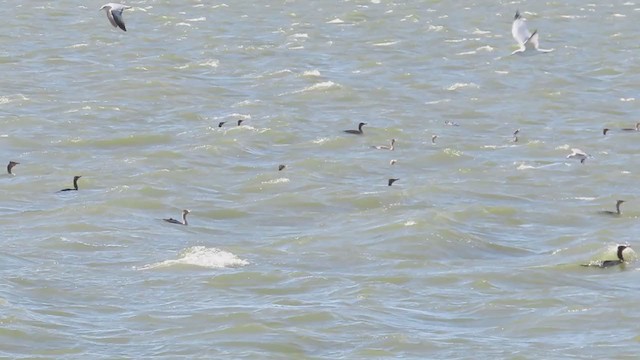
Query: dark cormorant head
{"points": [[620, 250]]}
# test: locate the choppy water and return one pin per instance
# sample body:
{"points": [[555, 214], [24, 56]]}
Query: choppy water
{"points": [[473, 253]]}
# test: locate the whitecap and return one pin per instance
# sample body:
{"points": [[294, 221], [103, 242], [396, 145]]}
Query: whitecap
{"points": [[201, 256], [325, 85], [276, 181], [315, 73], [211, 62], [457, 86], [387, 43]]}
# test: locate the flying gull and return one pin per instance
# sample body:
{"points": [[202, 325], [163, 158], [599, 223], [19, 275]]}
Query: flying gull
{"points": [[523, 37], [578, 154], [114, 14]]}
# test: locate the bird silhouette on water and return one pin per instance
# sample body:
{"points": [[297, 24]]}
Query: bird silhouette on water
{"points": [[610, 263], [75, 184], [357, 132], [185, 212], [10, 166]]}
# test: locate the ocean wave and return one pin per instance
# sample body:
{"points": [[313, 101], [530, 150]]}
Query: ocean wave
{"points": [[201, 256]]}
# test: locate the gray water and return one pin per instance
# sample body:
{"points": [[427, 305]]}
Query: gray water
{"points": [[474, 253]]}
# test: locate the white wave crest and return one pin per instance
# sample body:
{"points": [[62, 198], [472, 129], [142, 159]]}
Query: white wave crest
{"points": [[322, 86], [201, 256]]}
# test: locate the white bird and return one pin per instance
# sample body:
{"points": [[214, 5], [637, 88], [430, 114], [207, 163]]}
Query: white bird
{"points": [[523, 37], [114, 14], [385, 147], [578, 154]]}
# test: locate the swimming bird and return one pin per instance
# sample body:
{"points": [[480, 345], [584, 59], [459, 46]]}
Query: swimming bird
{"points": [[515, 135], [221, 123], [114, 14], [523, 37], [357, 132], [614, 213], [75, 184], [609, 263], [451, 123], [240, 122], [184, 218], [578, 154], [433, 139], [281, 167], [637, 128], [605, 131], [393, 162], [391, 181], [10, 166], [385, 147]]}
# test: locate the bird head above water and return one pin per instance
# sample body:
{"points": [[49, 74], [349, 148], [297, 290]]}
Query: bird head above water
{"points": [[11, 165]]}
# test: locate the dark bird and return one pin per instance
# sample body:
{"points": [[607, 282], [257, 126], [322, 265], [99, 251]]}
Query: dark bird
{"points": [[75, 184], [10, 166], [184, 218], [609, 263], [605, 131], [391, 181], [114, 14], [433, 139], [240, 122], [356, 132], [221, 123], [515, 135], [637, 128], [281, 167], [614, 213]]}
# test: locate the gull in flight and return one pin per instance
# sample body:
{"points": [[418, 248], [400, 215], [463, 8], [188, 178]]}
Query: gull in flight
{"points": [[523, 37], [114, 14], [578, 154]]}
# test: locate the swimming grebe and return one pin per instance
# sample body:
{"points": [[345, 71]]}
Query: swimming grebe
{"points": [[114, 14], [385, 147], [221, 123], [433, 139], [609, 263], [605, 131], [184, 218], [75, 184], [357, 132], [240, 122], [391, 181], [615, 213], [10, 166], [281, 167]]}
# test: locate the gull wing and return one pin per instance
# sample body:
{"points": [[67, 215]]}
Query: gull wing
{"points": [[115, 16], [532, 42], [519, 30], [110, 17]]}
